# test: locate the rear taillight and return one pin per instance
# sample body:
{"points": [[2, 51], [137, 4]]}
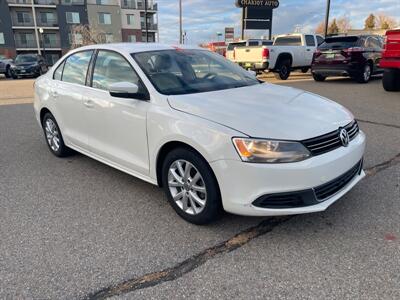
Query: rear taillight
{"points": [[265, 53], [317, 53]]}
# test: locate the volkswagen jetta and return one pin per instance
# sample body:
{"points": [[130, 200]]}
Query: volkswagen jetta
{"points": [[208, 132]]}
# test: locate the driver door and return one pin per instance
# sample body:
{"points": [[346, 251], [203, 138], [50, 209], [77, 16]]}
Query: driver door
{"points": [[117, 126]]}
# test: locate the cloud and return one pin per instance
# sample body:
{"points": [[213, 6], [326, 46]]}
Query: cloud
{"points": [[203, 19]]}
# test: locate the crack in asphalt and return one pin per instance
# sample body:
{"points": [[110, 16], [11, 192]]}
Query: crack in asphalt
{"points": [[177, 271], [383, 166], [193, 262], [378, 123]]}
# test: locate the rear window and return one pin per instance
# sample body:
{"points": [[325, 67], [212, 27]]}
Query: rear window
{"points": [[340, 42], [254, 43], [232, 46], [288, 41]]}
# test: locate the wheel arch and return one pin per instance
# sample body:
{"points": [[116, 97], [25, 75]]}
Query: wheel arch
{"points": [[283, 56], [43, 111], [167, 148]]}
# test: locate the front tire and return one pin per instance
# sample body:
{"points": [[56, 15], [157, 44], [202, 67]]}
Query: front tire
{"points": [[191, 187], [304, 70], [284, 69], [391, 80], [53, 136]]}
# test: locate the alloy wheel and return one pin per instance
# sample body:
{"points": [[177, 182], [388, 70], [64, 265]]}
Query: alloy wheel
{"points": [[187, 187], [367, 73], [52, 135]]}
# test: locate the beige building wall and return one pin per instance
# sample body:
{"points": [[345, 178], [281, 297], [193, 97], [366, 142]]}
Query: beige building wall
{"points": [[124, 20], [114, 28]]}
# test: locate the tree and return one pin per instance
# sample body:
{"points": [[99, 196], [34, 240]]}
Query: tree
{"points": [[385, 22], [83, 35], [343, 24], [333, 28], [370, 22], [320, 28]]}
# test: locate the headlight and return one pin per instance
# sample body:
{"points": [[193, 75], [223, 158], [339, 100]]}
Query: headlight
{"points": [[270, 151], [13, 67]]}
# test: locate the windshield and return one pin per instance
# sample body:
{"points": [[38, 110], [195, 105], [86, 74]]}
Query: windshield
{"points": [[25, 59], [178, 72], [340, 42]]}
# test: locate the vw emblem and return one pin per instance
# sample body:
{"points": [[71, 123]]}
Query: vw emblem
{"points": [[344, 137]]}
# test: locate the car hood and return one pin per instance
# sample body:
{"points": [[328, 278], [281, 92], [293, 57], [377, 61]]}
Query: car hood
{"points": [[267, 111]]}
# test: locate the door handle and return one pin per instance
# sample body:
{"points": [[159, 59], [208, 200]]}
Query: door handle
{"points": [[88, 103]]}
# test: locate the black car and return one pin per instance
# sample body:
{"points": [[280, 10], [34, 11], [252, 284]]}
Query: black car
{"points": [[28, 65], [357, 57]]}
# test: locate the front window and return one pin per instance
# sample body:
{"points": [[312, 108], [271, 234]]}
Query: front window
{"points": [[177, 72]]}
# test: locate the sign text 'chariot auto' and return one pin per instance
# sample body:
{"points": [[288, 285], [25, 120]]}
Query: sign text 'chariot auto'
{"points": [[258, 3]]}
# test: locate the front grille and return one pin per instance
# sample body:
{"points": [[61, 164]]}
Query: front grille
{"points": [[331, 141], [331, 188]]}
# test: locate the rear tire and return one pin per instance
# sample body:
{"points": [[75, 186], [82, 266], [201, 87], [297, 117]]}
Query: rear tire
{"points": [[54, 138], [391, 80], [318, 77], [284, 69], [197, 201], [365, 76]]}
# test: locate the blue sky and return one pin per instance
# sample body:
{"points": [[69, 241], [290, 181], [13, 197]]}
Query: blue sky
{"points": [[204, 18]]}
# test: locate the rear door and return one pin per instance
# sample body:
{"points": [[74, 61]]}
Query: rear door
{"points": [[67, 93], [311, 45]]}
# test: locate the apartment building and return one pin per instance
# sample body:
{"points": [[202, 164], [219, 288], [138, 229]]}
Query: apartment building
{"points": [[46, 26]]}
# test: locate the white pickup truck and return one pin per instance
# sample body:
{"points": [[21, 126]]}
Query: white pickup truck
{"points": [[288, 52]]}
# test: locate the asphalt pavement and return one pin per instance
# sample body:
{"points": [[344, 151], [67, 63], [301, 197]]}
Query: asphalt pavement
{"points": [[77, 229]]}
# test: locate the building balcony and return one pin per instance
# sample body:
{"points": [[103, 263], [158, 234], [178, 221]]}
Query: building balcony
{"points": [[150, 5], [128, 4], [16, 22], [103, 2], [73, 2], [47, 23], [25, 43], [150, 26], [19, 2], [49, 44], [47, 2]]}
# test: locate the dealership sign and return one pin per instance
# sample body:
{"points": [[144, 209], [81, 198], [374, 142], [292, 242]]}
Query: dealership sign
{"points": [[258, 3]]}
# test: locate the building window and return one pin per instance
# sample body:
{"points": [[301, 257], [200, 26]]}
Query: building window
{"points": [[23, 17], [72, 17], [2, 41], [130, 19], [47, 18], [132, 38], [105, 18]]}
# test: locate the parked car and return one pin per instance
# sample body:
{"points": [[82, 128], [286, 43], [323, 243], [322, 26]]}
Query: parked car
{"points": [[207, 131], [5, 64], [28, 65], [357, 57], [391, 61], [288, 52], [248, 43]]}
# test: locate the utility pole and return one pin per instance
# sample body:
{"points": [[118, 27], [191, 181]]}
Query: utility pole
{"points": [[243, 23], [328, 8], [145, 21], [180, 23]]}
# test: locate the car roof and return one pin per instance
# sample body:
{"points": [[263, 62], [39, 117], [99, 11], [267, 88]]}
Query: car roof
{"points": [[128, 48]]}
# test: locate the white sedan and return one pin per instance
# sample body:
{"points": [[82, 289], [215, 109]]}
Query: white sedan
{"points": [[212, 135]]}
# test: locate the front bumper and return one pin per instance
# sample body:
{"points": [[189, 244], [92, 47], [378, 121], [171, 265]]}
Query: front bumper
{"points": [[241, 184], [26, 72]]}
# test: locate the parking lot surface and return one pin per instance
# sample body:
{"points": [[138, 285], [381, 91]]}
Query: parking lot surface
{"points": [[77, 229]]}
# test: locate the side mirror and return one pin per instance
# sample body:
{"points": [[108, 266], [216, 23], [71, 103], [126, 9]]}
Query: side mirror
{"points": [[127, 90]]}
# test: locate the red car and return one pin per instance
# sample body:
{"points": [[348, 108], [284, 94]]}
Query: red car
{"points": [[391, 61]]}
